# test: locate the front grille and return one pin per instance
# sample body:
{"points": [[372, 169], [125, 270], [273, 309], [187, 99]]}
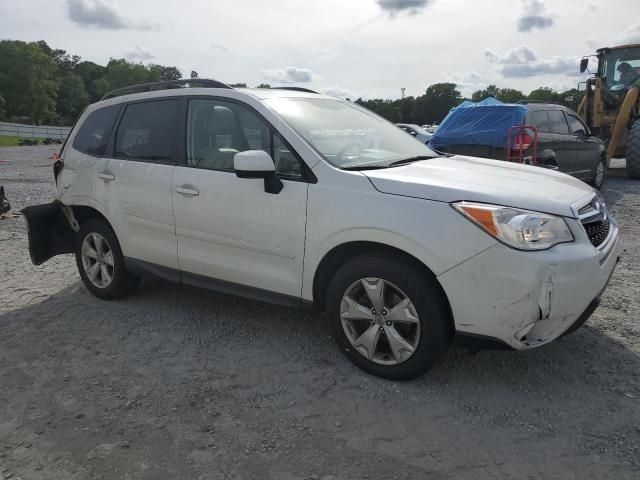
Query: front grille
{"points": [[597, 231]]}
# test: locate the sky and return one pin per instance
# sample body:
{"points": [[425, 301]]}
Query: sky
{"points": [[348, 48]]}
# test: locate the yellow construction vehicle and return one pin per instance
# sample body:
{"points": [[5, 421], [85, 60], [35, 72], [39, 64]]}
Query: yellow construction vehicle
{"points": [[610, 106]]}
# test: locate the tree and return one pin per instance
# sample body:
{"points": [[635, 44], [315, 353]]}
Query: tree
{"points": [[438, 100], [92, 75], [167, 73], [194, 74], [506, 95], [264, 85], [121, 73], [27, 81], [238, 85], [543, 94], [72, 98]]}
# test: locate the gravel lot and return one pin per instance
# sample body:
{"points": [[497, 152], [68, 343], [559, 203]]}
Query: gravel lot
{"points": [[178, 382]]}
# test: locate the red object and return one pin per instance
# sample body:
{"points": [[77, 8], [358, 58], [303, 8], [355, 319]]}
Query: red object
{"points": [[5, 161], [53, 156], [522, 144]]}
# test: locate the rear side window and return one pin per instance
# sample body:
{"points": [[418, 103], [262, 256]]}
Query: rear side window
{"points": [[93, 136], [557, 122], [147, 131], [540, 120]]}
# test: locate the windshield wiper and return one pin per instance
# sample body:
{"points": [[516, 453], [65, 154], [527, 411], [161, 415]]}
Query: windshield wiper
{"points": [[410, 160], [366, 166]]}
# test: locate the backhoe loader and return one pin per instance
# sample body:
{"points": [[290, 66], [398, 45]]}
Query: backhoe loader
{"points": [[610, 106]]}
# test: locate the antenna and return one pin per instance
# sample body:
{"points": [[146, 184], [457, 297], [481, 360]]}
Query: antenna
{"points": [[402, 92]]}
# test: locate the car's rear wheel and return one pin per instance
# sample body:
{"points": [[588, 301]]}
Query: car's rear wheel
{"points": [[599, 174], [101, 263], [388, 317]]}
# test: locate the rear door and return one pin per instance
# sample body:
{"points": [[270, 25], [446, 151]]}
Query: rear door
{"points": [[564, 144], [134, 184], [588, 148]]}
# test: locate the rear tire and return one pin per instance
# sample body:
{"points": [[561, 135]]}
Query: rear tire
{"points": [[633, 151], [101, 263], [404, 342]]}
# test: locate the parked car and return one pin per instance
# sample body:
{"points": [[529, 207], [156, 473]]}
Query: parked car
{"points": [[301, 199], [416, 131], [564, 142]]}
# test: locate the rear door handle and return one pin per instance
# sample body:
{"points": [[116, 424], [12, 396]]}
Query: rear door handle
{"points": [[187, 191], [106, 176]]}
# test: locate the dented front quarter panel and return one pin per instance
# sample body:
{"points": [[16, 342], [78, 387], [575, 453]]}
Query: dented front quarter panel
{"points": [[527, 299]]}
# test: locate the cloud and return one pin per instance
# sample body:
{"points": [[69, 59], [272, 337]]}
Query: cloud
{"points": [[140, 53], [466, 82], [631, 34], [592, 6], [220, 48], [522, 62], [534, 16], [288, 75], [337, 92], [412, 7], [102, 14]]}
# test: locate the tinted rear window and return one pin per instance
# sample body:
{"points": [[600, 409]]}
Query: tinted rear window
{"points": [[557, 122], [540, 120], [147, 131], [93, 136]]}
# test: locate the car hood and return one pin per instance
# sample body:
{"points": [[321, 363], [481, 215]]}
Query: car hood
{"points": [[450, 179]]}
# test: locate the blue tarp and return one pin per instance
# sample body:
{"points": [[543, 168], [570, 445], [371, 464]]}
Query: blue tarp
{"points": [[482, 123]]}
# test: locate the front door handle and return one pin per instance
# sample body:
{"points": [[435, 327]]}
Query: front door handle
{"points": [[187, 191], [106, 176]]}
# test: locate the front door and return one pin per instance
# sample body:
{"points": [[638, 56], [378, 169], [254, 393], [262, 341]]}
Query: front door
{"points": [[564, 144], [588, 148], [229, 228]]}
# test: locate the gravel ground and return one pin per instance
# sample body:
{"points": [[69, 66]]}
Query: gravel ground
{"points": [[178, 382]]}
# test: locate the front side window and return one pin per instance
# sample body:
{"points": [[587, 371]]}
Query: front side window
{"points": [[576, 127], [147, 131], [345, 134], [217, 130], [93, 136], [557, 122]]}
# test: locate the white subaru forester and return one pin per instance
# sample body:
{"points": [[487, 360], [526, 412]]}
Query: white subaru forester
{"points": [[288, 196]]}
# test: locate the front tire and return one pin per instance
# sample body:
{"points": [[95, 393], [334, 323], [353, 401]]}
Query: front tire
{"points": [[388, 317], [599, 174], [633, 151], [100, 261]]}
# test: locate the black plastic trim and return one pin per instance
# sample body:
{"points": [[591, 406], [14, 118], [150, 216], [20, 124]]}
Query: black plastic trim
{"points": [[174, 275], [480, 342], [149, 87]]}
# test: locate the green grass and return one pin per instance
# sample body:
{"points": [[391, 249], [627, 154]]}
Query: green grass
{"points": [[10, 141]]}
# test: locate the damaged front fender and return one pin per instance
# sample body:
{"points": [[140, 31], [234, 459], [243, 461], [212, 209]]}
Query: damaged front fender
{"points": [[49, 230]]}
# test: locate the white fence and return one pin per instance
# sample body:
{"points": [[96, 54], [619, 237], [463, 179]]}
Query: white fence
{"points": [[31, 131]]}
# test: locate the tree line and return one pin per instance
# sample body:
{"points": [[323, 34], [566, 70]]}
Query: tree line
{"points": [[41, 85]]}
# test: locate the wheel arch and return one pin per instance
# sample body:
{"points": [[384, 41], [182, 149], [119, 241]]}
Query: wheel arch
{"points": [[348, 250]]}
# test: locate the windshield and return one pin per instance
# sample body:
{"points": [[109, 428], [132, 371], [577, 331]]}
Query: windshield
{"points": [[347, 135], [621, 67]]}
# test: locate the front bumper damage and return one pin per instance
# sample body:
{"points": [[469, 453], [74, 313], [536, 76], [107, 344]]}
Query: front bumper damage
{"points": [[527, 299]]}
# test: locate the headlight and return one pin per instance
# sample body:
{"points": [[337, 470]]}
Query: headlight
{"points": [[521, 229]]}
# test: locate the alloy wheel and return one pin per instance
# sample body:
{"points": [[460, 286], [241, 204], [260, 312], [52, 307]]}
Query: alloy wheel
{"points": [[380, 321], [97, 260]]}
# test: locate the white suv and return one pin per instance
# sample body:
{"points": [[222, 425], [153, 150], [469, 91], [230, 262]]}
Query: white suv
{"points": [[300, 199]]}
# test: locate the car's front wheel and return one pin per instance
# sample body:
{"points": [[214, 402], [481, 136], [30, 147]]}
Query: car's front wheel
{"points": [[599, 174], [100, 261], [388, 317]]}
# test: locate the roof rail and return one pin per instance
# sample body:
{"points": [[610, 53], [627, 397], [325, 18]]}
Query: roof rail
{"points": [[524, 102], [295, 89], [166, 84]]}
